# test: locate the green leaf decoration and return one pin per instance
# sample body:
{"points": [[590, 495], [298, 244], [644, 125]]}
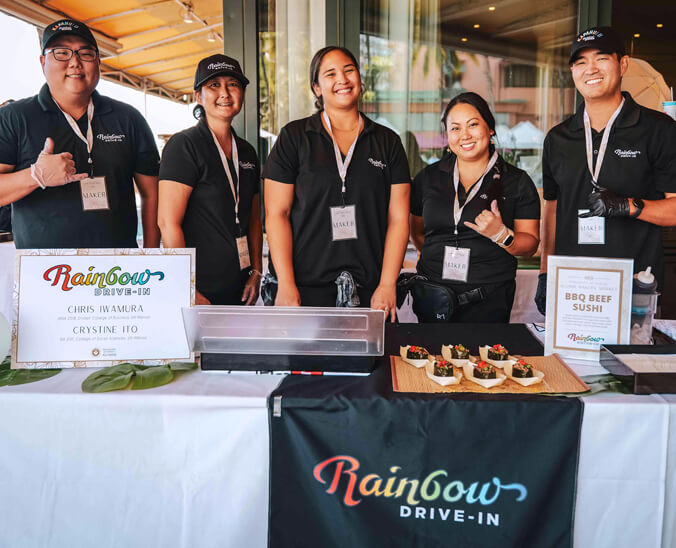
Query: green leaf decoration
{"points": [[5, 364], [182, 366], [6, 375], [141, 377], [13, 377], [152, 377], [116, 377]]}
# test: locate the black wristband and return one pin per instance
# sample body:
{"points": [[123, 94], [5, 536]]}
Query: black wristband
{"points": [[638, 204]]}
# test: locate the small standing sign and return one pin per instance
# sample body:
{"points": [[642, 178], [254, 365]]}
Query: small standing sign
{"points": [[99, 307], [588, 305]]}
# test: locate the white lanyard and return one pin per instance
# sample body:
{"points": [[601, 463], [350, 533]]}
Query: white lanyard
{"points": [[602, 148], [342, 166], [457, 210], [235, 161], [89, 140]]}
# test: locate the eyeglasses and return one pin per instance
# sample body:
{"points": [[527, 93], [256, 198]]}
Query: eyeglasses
{"points": [[65, 54]]}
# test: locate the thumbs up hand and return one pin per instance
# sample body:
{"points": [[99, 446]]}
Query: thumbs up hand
{"points": [[55, 169], [488, 223]]}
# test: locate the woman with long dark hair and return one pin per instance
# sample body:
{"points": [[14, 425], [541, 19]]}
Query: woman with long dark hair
{"points": [[336, 198], [472, 213], [209, 190]]}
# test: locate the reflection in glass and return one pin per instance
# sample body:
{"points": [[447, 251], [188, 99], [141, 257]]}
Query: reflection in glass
{"points": [[418, 54]]}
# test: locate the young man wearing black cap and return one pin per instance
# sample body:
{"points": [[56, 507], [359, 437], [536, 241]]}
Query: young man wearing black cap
{"points": [[609, 171], [69, 156]]}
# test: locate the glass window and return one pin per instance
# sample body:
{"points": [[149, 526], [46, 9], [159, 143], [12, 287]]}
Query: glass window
{"points": [[416, 55], [290, 31]]}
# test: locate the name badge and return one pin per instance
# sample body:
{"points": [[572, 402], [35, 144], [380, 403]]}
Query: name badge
{"points": [[344, 223], [591, 230], [456, 263], [94, 194], [243, 252]]}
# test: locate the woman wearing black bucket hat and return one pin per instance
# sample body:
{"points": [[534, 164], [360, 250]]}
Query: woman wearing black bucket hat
{"points": [[336, 198], [471, 214], [209, 190]]}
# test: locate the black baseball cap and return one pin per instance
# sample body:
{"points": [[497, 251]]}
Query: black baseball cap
{"points": [[604, 39], [67, 26], [218, 64]]}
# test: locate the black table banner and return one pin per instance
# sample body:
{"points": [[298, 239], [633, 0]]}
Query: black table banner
{"points": [[354, 464]]}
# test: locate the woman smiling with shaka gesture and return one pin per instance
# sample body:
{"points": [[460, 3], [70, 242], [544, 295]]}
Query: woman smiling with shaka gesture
{"points": [[471, 214], [336, 199]]}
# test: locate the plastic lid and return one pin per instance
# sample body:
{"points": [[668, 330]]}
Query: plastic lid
{"points": [[646, 276]]}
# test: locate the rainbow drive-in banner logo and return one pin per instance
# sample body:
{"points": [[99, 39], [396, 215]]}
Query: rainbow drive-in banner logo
{"points": [[353, 464], [435, 488]]}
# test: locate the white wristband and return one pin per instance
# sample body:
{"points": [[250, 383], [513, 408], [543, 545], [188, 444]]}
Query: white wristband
{"points": [[36, 176], [496, 237]]}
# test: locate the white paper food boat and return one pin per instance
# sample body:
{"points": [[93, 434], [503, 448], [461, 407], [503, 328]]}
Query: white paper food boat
{"points": [[468, 370], [536, 378], [443, 381], [446, 354], [483, 354], [415, 363]]}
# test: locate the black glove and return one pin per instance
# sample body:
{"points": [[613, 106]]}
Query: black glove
{"points": [[605, 203], [541, 294]]}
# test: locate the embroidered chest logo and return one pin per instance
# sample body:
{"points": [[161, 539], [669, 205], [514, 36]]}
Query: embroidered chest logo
{"points": [[484, 197], [246, 165], [627, 153], [377, 163], [111, 137]]}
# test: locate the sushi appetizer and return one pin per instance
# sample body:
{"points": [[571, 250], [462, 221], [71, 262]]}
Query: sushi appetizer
{"points": [[442, 372], [522, 370], [442, 368], [415, 355], [523, 373], [497, 352], [485, 371], [484, 374], [496, 355], [457, 354]]}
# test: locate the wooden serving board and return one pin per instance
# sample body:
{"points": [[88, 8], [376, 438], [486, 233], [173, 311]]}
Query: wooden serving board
{"points": [[559, 379]]}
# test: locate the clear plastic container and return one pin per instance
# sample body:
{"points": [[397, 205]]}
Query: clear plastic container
{"points": [[643, 307], [285, 330]]}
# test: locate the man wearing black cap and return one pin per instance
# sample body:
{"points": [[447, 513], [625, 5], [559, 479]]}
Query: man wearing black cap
{"points": [[609, 171], [69, 157]]}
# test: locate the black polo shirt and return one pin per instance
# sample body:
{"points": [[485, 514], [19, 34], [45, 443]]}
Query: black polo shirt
{"points": [[432, 198], [191, 158], [54, 218], [640, 162], [303, 156]]}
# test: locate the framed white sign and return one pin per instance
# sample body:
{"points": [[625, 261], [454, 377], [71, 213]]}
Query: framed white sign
{"points": [[99, 307], [588, 304]]}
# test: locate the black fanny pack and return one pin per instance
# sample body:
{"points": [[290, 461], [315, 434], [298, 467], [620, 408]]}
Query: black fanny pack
{"points": [[434, 302]]}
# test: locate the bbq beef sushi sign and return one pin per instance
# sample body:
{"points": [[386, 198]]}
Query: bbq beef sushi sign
{"points": [[403, 471]]}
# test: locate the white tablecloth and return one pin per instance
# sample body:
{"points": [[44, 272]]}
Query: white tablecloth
{"points": [[186, 466]]}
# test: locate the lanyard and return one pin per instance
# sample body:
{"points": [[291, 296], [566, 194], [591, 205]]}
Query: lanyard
{"points": [[457, 210], [342, 166], [602, 148], [89, 140], [235, 161]]}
